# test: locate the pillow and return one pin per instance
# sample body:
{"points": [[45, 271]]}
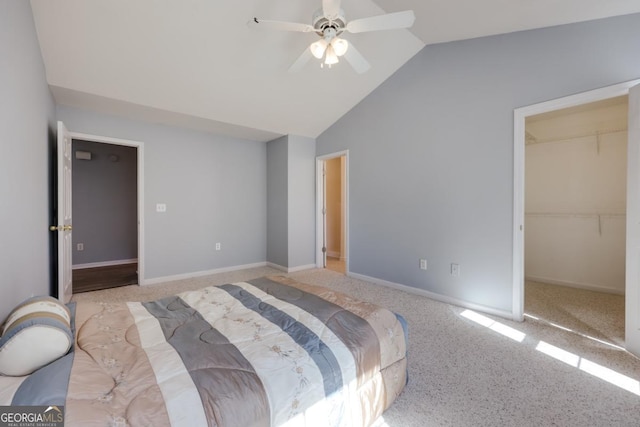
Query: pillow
{"points": [[36, 333]]}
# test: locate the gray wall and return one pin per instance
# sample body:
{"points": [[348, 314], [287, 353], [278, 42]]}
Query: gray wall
{"points": [[431, 151], [302, 201], [27, 115], [291, 201], [277, 201], [214, 188], [105, 197]]}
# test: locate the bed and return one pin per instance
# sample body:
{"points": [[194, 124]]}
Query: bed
{"points": [[267, 352]]}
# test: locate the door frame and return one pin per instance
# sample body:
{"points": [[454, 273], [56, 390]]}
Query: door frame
{"points": [[140, 183], [519, 117], [320, 184]]}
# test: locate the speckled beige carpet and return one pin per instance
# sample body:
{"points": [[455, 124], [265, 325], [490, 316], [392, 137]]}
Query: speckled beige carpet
{"points": [[469, 370], [594, 314]]}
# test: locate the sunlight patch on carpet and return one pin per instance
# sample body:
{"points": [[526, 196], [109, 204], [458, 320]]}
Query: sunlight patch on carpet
{"points": [[571, 359], [595, 369], [498, 327]]}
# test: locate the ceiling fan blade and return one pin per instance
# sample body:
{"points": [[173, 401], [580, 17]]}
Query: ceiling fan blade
{"points": [[390, 21], [301, 61], [279, 25], [356, 60], [331, 8]]}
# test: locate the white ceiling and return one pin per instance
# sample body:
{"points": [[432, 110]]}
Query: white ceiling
{"points": [[195, 63]]}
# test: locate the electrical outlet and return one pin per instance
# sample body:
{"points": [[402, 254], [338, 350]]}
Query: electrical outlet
{"points": [[80, 246], [161, 207], [218, 246], [455, 270], [423, 264]]}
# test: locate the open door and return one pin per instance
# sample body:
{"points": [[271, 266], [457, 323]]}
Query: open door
{"points": [[63, 227], [632, 308], [324, 214], [323, 205]]}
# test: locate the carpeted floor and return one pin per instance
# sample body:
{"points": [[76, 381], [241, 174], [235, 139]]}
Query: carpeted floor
{"points": [[469, 370], [595, 314]]}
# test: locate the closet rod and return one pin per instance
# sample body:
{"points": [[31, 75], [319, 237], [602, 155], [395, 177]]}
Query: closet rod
{"points": [[533, 140]]}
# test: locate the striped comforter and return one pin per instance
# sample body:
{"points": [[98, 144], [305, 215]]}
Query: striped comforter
{"points": [[268, 352]]}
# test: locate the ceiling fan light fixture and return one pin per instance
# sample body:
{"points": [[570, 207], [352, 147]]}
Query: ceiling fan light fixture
{"points": [[318, 48], [329, 23], [331, 58], [339, 46]]}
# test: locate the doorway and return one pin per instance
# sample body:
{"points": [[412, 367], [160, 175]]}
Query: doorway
{"points": [[632, 261], [105, 217], [332, 212], [109, 151], [575, 218]]}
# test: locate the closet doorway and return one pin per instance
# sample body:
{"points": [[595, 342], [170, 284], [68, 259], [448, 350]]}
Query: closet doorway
{"points": [[632, 228], [575, 218], [332, 226]]}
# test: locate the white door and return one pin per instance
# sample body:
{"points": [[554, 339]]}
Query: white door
{"points": [[63, 228], [632, 309], [324, 214]]}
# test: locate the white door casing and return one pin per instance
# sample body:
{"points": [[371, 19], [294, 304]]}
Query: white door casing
{"points": [[64, 225], [632, 276], [140, 183], [321, 205], [324, 214]]}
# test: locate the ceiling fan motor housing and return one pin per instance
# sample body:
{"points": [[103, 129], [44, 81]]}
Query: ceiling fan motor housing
{"points": [[322, 23]]}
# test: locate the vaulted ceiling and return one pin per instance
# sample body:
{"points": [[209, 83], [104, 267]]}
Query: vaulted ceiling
{"points": [[195, 63]]}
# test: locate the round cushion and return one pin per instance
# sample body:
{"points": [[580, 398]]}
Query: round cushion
{"points": [[36, 333]]}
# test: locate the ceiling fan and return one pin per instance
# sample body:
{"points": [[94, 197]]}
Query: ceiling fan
{"points": [[329, 23]]}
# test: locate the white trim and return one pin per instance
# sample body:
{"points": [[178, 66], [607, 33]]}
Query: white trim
{"points": [[319, 193], [519, 116], [194, 274], [140, 166], [290, 270], [433, 296], [301, 268], [319, 215], [277, 267], [104, 263], [578, 285], [333, 254]]}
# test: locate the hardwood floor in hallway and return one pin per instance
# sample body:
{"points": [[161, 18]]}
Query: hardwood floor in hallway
{"points": [[93, 279]]}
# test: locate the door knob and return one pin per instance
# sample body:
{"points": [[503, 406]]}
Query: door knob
{"points": [[60, 228]]}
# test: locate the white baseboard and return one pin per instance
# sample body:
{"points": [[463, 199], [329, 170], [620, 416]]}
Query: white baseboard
{"points": [[104, 263], [164, 279], [333, 254], [586, 286], [301, 267], [278, 267], [434, 296], [292, 269]]}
